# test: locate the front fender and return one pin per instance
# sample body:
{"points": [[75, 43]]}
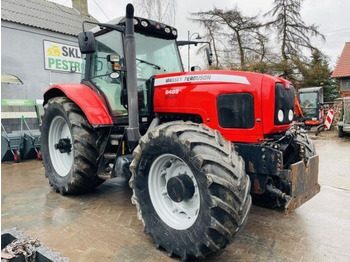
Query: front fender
{"points": [[90, 102]]}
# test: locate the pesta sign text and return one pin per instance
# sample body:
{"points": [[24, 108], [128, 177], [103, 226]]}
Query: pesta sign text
{"points": [[61, 57]]}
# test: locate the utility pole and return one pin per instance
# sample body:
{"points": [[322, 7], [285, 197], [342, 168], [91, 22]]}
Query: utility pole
{"points": [[189, 36]]}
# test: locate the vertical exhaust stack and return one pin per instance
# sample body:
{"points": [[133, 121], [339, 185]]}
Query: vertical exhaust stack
{"points": [[132, 131]]}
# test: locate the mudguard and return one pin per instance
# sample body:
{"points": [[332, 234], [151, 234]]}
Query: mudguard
{"points": [[90, 102]]}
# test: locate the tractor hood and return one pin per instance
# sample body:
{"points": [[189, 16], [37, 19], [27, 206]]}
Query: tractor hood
{"points": [[229, 101]]}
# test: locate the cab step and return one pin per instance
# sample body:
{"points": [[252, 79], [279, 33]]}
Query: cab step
{"points": [[115, 138], [110, 155]]}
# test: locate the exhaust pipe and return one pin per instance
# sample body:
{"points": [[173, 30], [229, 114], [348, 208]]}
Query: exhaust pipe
{"points": [[132, 131]]}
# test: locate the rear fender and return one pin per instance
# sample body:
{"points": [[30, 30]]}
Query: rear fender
{"points": [[90, 102]]}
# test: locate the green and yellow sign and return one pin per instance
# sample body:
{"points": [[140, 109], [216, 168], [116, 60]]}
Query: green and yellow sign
{"points": [[62, 57]]}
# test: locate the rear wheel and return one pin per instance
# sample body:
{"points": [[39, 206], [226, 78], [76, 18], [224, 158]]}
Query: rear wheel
{"points": [[38, 155], [70, 147], [340, 131], [190, 189], [17, 156]]}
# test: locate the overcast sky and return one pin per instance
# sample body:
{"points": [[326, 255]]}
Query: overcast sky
{"points": [[332, 17]]}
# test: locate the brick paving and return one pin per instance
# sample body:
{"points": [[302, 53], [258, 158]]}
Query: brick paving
{"points": [[103, 226]]}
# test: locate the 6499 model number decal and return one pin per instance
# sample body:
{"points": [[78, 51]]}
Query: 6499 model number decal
{"points": [[172, 91]]}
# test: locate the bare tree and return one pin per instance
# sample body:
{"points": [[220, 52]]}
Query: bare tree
{"points": [[292, 33], [237, 32], [160, 10]]}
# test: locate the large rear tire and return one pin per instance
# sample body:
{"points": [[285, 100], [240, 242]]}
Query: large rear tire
{"points": [[70, 147], [190, 189]]}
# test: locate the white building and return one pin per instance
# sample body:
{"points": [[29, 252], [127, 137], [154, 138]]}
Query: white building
{"points": [[39, 46]]}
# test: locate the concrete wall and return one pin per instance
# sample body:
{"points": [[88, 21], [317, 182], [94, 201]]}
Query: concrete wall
{"points": [[22, 55]]}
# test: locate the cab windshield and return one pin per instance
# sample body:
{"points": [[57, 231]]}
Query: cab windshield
{"points": [[308, 100], [156, 56], [308, 103], [153, 56]]}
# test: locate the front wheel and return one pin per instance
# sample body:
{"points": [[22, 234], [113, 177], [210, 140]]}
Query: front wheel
{"points": [[70, 147], [190, 189]]}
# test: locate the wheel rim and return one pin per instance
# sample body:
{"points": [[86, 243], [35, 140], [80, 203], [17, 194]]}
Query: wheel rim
{"points": [[178, 215], [62, 162]]}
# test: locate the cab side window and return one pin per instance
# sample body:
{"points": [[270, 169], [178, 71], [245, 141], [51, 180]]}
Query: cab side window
{"points": [[106, 45]]}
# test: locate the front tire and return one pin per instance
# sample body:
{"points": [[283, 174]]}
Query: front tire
{"points": [[306, 145], [190, 189], [70, 147]]}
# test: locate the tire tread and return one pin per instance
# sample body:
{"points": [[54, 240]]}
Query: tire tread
{"points": [[230, 198], [86, 149]]}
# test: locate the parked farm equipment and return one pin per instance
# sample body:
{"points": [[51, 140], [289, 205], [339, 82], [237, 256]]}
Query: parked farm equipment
{"points": [[190, 142]]}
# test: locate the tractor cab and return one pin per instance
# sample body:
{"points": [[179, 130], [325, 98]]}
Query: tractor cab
{"points": [[311, 103], [156, 53]]}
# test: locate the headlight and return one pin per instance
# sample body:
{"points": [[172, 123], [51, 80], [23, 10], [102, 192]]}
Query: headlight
{"points": [[280, 115], [290, 115], [284, 104]]}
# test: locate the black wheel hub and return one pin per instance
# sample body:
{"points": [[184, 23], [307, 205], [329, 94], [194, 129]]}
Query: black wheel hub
{"points": [[180, 188], [64, 145]]}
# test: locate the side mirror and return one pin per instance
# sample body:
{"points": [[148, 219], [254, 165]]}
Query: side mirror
{"points": [[86, 42], [209, 56]]}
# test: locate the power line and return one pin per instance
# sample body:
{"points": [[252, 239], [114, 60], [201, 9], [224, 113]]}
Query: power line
{"points": [[335, 30], [338, 34], [102, 10]]}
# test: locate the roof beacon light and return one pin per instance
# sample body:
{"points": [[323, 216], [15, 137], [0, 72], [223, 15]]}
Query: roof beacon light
{"points": [[144, 23]]}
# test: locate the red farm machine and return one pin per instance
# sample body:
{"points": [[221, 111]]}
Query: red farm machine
{"points": [[198, 147], [309, 108]]}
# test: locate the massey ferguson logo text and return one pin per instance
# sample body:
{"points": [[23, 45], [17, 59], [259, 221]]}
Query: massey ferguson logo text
{"points": [[197, 78], [223, 78], [188, 78]]}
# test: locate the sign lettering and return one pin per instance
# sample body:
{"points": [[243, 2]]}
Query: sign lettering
{"points": [[62, 57]]}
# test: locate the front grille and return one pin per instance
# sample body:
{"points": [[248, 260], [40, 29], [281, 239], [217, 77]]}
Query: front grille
{"points": [[236, 110], [284, 100]]}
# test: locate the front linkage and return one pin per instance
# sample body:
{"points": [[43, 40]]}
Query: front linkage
{"points": [[283, 170]]}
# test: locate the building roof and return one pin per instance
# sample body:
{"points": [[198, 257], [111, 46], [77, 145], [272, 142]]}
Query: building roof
{"points": [[342, 68], [310, 89], [45, 15]]}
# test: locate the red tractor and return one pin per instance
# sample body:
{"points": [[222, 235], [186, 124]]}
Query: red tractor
{"points": [[137, 114]]}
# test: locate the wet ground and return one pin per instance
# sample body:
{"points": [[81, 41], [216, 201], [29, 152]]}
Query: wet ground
{"points": [[102, 226]]}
